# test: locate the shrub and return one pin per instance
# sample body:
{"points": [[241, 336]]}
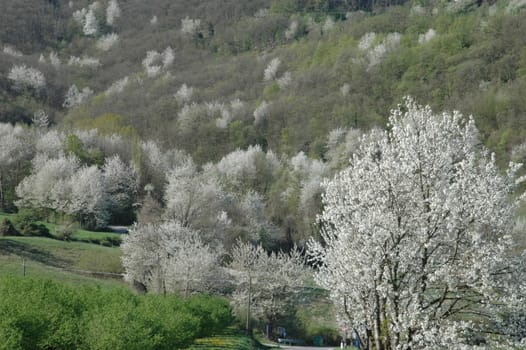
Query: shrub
{"points": [[7, 228], [26, 224], [42, 314]]}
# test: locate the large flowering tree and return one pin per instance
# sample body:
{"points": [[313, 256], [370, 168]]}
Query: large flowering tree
{"points": [[416, 251]]}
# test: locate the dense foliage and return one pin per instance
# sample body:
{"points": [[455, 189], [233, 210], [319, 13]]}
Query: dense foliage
{"points": [[41, 314]]}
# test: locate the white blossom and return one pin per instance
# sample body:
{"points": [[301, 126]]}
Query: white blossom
{"points": [[168, 57], [54, 60], [107, 41], [261, 112], [40, 119], [169, 257], [75, 97], [292, 30], [345, 89], [416, 233], [113, 11], [272, 69], [328, 25], [90, 24], [184, 94], [190, 26], [23, 76], [9, 50], [367, 41], [284, 80], [266, 282], [262, 13], [85, 61], [117, 86], [424, 38]]}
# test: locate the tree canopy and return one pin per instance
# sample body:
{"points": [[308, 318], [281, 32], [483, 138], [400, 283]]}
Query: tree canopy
{"points": [[416, 234]]}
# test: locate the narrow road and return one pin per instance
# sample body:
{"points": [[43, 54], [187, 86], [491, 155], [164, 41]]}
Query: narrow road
{"points": [[288, 347]]}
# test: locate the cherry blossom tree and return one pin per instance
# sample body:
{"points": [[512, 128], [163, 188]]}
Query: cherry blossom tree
{"points": [[267, 284], [195, 199], [121, 185], [416, 235], [88, 201], [26, 77], [169, 257], [16, 151]]}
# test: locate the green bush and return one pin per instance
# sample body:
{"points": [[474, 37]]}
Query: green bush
{"points": [[26, 223], [41, 314], [7, 228]]}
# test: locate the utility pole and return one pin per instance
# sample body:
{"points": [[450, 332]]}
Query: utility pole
{"points": [[248, 302]]}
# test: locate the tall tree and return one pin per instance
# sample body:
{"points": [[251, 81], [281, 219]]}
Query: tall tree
{"points": [[169, 257], [416, 234], [267, 284]]}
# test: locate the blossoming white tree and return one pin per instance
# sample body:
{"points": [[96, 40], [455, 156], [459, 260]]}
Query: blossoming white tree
{"points": [[266, 283], [167, 258], [416, 234], [26, 77]]}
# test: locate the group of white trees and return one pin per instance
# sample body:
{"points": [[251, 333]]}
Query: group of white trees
{"points": [[416, 238], [88, 193], [170, 257], [37, 165]]}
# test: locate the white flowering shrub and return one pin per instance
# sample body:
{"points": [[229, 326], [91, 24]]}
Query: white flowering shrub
{"points": [[262, 13], [376, 53], [328, 25], [190, 26], [26, 77], [85, 61], [261, 112], [75, 97], [107, 41], [427, 36], [345, 89], [50, 144], [40, 119], [168, 57], [54, 60], [285, 80], [79, 16], [90, 24], [272, 69], [11, 51], [113, 11], [367, 41], [184, 94], [292, 30], [154, 62], [117, 86]]}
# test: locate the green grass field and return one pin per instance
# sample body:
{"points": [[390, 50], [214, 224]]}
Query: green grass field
{"points": [[74, 262], [78, 234]]}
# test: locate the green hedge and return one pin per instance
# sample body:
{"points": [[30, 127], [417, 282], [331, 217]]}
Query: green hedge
{"points": [[42, 314]]}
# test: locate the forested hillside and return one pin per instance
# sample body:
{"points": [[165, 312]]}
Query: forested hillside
{"points": [[260, 99], [209, 127]]}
